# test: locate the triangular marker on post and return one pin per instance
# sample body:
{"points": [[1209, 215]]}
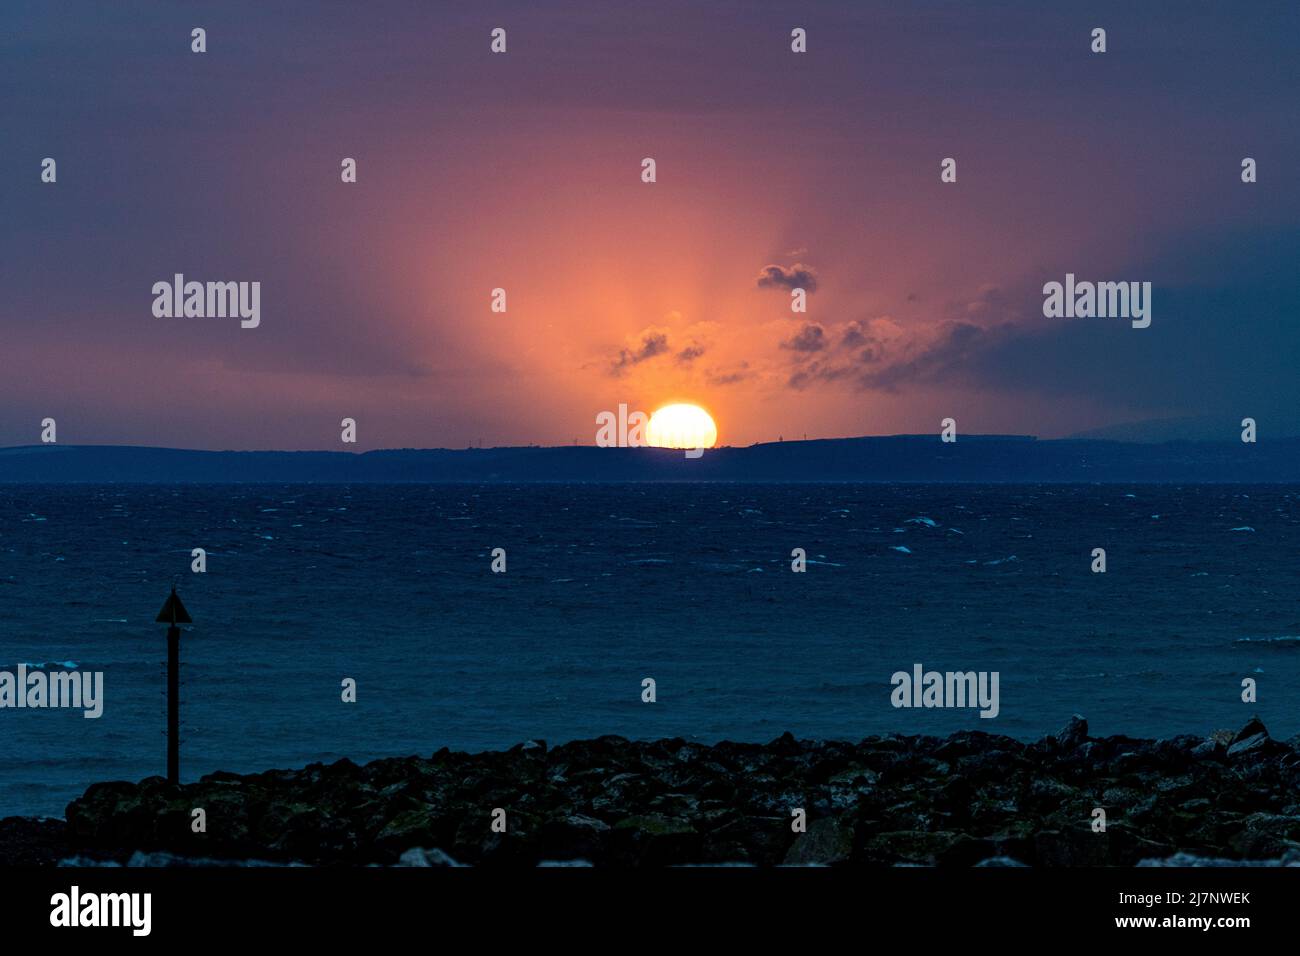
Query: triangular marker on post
{"points": [[173, 612]]}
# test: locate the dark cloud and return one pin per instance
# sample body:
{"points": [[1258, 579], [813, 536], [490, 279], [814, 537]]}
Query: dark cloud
{"points": [[822, 357], [689, 354], [739, 374], [652, 344], [1222, 341], [797, 276], [811, 338], [819, 372], [956, 345], [1225, 347], [989, 300], [853, 335]]}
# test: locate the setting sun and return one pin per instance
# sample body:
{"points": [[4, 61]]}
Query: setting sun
{"points": [[681, 426]]}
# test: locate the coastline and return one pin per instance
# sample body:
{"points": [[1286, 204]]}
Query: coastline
{"points": [[968, 799]]}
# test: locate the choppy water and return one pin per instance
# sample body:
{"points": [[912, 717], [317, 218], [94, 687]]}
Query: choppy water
{"points": [[608, 584]]}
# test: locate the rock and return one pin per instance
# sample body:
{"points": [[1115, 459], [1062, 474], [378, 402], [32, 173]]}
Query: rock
{"points": [[1122, 797], [846, 788], [85, 862], [828, 840], [712, 866], [1256, 744], [1209, 749], [1253, 727], [417, 856], [910, 846], [729, 837], [164, 859], [28, 841], [1074, 733], [574, 835], [1075, 846], [1265, 835], [1174, 748], [1050, 792], [1191, 859], [1118, 845], [415, 827], [654, 840], [967, 850], [785, 745], [1252, 738], [1222, 737]]}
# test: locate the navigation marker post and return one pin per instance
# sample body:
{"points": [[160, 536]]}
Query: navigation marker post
{"points": [[172, 614]]}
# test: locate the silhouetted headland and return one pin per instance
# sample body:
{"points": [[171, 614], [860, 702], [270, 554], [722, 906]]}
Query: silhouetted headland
{"points": [[901, 458]]}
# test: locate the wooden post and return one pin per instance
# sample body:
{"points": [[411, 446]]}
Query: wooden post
{"points": [[172, 614]]}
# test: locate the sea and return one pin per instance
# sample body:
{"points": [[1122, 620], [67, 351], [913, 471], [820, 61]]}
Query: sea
{"points": [[607, 585]]}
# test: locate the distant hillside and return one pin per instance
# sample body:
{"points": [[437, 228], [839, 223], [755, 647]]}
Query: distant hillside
{"points": [[922, 458], [1198, 429]]}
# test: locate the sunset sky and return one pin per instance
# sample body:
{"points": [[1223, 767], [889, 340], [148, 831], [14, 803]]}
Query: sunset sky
{"points": [[522, 171]]}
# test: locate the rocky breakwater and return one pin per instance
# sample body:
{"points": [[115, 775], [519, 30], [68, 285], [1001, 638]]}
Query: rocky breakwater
{"points": [[962, 800]]}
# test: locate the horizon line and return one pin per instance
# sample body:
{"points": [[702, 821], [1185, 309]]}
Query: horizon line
{"points": [[55, 446]]}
